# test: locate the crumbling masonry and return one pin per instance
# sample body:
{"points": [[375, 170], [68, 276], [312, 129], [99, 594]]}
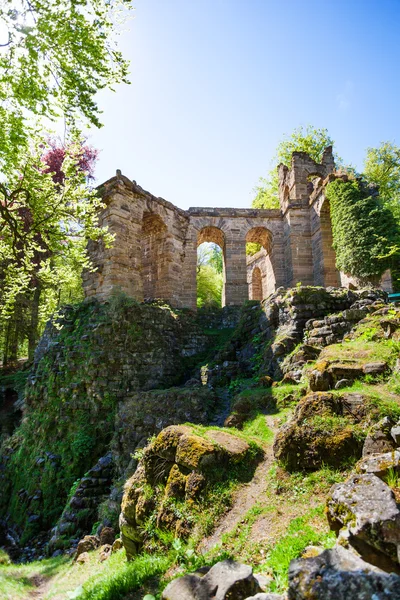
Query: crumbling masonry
{"points": [[155, 250]]}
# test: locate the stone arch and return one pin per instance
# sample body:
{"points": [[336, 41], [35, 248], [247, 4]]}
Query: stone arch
{"points": [[215, 235], [263, 260], [260, 235], [255, 287], [155, 257], [330, 274]]}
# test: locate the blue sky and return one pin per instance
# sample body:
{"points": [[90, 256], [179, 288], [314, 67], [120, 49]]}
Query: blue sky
{"points": [[217, 83]]}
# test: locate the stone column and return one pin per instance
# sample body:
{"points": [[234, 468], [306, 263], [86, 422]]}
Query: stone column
{"points": [[236, 289], [188, 285], [118, 267], [299, 248]]}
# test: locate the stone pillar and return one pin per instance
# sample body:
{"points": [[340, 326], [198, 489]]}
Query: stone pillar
{"points": [[188, 285], [236, 289], [299, 249], [118, 267]]}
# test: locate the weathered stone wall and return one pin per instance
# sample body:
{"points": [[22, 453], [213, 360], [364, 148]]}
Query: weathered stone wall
{"points": [[155, 250]]}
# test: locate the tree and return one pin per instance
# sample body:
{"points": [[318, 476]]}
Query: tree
{"points": [[382, 167], [209, 275], [54, 59], [365, 234], [209, 287], [303, 139], [46, 220]]}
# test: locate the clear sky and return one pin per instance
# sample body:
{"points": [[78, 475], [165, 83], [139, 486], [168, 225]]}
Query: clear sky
{"points": [[217, 83]]}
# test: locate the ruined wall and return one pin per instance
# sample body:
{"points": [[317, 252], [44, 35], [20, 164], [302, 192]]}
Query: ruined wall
{"points": [[155, 250]]}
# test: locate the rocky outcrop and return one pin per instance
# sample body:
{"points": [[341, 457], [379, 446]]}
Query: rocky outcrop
{"points": [[177, 465], [325, 428], [81, 509], [99, 357], [332, 328], [364, 511], [338, 574]]}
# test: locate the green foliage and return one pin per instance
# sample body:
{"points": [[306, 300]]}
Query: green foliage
{"points": [[392, 478], [209, 275], [4, 558], [298, 536], [303, 139], [366, 237], [258, 428], [55, 57], [382, 167], [266, 192], [209, 287]]}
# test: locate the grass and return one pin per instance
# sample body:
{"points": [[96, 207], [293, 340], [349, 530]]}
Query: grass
{"points": [[17, 581], [361, 351], [300, 534], [257, 428], [120, 577]]}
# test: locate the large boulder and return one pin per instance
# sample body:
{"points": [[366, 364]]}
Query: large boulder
{"points": [[364, 510], [226, 580], [324, 429], [338, 574], [176, 466]]}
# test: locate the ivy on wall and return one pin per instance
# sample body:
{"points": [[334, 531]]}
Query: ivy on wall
{"points": [[366, 237]]}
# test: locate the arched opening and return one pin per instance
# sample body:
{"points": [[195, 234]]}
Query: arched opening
{"points": [[255, 289], [329, 274], [155, 257], [210, 267], [260, 272]]}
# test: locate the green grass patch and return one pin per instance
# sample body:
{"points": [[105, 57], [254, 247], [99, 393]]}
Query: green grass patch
{"points": [[257, 428], [17, 581], [300, 534], [361, 351]]}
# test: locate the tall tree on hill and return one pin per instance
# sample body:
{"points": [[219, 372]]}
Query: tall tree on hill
{"points": [[47, 216], [54, 58]]}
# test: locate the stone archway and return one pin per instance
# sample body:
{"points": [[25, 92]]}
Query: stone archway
{"points": [[215, 235], [265, 281], [155, 259]]}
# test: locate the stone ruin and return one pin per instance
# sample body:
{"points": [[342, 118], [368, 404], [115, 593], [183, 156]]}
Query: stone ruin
{"points": [[154, 255]]}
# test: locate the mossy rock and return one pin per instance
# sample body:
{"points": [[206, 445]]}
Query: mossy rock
{"points": [[176, 469], [325, 429]]}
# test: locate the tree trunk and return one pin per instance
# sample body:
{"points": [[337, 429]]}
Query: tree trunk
{"points": [[33, 326]]}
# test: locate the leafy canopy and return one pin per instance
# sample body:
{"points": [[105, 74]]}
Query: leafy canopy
{"points": [[54, 58], [382, 167], [45, 223], [209, 275], [303, 139]]}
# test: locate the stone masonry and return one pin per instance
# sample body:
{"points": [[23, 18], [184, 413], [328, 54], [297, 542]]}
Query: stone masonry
{"points": [[155, 250]]}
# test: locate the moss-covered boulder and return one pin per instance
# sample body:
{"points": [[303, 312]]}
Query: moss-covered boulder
{"points": [[325, 428], [173, 477]]}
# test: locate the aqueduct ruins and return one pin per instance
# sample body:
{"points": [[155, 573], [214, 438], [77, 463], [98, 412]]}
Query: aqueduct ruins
{"points": [[155, 250]]}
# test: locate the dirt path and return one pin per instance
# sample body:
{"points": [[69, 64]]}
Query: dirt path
{"points": [[248, 495], [41, 584]]}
